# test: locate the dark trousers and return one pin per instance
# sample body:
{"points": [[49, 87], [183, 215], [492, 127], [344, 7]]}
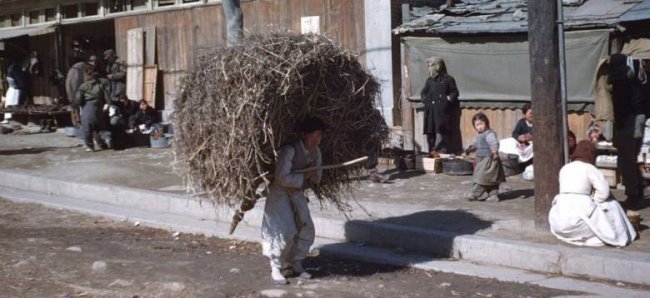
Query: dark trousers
{"points": [[437, 142], [626, 162]]}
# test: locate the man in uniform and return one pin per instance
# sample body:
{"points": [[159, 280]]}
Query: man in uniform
{"points": [[92, 97], [74, 79], [116, 75]]}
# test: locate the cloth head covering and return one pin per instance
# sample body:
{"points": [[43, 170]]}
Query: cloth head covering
{"points": [[585, 152], [436, 66]]}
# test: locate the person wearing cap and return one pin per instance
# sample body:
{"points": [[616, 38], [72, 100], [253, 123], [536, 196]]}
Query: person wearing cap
{"points": [[116, 75], [74, 79], [92, 97]]}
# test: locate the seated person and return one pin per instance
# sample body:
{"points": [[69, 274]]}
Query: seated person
{"points": [[143, 119], [594, 133], [127, 107], [571, 140], [521, 143], [584, 213]]}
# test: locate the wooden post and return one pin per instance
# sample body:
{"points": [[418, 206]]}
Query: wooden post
{"points": [[546, 103], [234, 21]]}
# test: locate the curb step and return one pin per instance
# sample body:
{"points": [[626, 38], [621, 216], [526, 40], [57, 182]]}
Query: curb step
{"points": [[184, 214]]}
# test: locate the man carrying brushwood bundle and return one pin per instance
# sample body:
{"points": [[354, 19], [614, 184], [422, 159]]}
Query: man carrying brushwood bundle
{"points": [[287, 228]]}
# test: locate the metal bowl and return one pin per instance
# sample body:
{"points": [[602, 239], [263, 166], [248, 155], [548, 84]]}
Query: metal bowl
{"points": [[457, 167]]}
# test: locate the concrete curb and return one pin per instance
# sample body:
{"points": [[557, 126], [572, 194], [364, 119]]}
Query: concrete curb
{"points": [[187, 214]]}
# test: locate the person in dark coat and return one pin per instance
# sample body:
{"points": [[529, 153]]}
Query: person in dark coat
{"points": [[116, 75], [92, 97], [143, 119], [439, 96], [128, 107], [523, 131], [629, 120]]}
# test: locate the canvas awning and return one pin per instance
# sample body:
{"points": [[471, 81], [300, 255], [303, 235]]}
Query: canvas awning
{"points": [[496, 68], [30, 30]]}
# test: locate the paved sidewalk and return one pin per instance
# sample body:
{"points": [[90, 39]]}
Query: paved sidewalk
{"points": [[414, 211]]}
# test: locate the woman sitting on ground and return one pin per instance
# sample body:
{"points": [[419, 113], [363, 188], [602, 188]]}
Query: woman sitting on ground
{"points": [[143, 119], [582, 218], [521, 143]]}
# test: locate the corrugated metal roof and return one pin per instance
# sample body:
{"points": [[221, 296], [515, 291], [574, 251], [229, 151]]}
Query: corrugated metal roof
{"points": [[511, 16], [637, 13]]}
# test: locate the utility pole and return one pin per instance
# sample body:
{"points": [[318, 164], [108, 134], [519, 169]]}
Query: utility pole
{"points": [[234, 21], [546, 103]]}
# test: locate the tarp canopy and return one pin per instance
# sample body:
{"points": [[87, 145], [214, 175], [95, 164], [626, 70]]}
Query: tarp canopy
{"points": [[30, 30], [637, 48], [496, 68]]}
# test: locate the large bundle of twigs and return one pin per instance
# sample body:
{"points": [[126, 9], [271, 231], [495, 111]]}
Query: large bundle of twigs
{"points": [[240, 104]]}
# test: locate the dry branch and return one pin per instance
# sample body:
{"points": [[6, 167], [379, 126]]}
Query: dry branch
{"points": [[240, 104]]}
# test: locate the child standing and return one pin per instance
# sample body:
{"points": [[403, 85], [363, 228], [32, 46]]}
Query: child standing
{"points": [[488, 173]]}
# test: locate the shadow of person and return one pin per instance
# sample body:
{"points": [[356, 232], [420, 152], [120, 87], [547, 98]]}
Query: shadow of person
{"points": [[25, 151], [430, 232], [517, 194]]}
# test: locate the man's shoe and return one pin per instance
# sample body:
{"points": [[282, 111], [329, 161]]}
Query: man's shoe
{"points": [[493, 199], [88, 149], [375, 177], [300, 271]]}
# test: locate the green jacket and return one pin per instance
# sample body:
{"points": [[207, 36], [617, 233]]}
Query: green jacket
{"points": [[94, 91]]}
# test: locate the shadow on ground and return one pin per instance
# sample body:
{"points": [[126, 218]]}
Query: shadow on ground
{"points": [[517, 194], [26, 151], [429, 232]]}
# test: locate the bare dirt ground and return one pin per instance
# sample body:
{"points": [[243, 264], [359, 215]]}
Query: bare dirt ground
{"points": [[57, 253]]}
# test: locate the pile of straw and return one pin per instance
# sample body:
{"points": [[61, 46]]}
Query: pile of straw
{"points": [[240, 104]]}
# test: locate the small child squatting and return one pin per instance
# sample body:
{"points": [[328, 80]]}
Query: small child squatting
{"points": [[488, 173]]}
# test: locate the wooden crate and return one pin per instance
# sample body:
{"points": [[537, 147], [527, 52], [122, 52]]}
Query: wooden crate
{"points": [[428, 164]]}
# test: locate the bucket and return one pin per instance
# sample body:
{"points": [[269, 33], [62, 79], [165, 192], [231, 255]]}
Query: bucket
{"points": [[160, 142], [70, 131]]}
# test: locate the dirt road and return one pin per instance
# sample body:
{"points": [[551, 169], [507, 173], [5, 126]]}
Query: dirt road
{"points": [[56, 253]]}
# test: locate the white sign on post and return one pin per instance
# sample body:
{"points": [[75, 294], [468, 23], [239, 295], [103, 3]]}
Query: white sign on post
{"points": [[310, 24]]}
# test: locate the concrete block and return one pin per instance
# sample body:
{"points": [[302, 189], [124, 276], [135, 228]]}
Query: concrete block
{"points": [[516, 254], [631, 267]]}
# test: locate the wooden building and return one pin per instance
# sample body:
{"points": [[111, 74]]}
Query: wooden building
{"points": [[161, 39]]}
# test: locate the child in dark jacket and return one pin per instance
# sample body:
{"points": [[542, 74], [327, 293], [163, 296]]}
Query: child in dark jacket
{"points": [[488, 172]]}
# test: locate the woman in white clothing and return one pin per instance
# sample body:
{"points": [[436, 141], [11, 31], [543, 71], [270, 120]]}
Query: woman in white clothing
{"points": [[584, 213]]}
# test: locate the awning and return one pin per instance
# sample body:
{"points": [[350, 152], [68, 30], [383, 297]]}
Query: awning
{"points": [[497, 67], [29, 30]]}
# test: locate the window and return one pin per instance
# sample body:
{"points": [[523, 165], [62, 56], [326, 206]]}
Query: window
{"points": [[90, 9], [50, 14], [191, 1], [126, 5], [70, 11], [34, 17], [166, 2], [5, 21], [140, 4], [116, 5], [16, 19]]}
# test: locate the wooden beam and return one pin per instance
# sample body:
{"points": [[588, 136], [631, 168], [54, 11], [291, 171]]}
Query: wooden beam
{"points": [[546, 102]]}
